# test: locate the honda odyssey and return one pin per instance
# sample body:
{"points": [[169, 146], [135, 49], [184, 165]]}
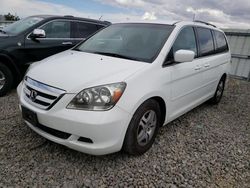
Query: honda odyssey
{"points": [[115, 90]]}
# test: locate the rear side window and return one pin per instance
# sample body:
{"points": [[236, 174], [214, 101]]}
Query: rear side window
{"points": [[221, 42], [57, 29], [83, 30], [205, 41], [184, 41]]}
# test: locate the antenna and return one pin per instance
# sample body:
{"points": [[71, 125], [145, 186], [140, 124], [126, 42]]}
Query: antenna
{"points": [[194, 17], [100, 17]]}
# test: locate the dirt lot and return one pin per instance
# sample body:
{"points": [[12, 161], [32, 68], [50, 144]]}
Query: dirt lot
{"points": [[208, 147]]}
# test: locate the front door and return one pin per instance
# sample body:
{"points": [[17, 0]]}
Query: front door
{"points": [[186, 78], [58, 38]]}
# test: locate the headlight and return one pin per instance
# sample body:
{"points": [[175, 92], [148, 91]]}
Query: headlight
{"points": [[98, 98]]}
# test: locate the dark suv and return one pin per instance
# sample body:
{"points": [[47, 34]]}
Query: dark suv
{"points": [[37, 37]]}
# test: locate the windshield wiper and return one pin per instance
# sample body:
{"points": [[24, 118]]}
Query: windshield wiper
{"points": [[116, 55], [77, 49]]}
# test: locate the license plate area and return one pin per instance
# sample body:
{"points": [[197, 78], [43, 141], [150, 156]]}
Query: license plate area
{"points": [[29, 116]]}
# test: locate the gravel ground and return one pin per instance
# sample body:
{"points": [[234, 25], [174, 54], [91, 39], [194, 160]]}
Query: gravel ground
{"points": [[207, 147]]}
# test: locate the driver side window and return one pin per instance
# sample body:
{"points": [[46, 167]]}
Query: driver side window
{"points": [[57, 29], [184, 41]]}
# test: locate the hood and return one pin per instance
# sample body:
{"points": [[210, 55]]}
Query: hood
{"points": [[74, 71]]}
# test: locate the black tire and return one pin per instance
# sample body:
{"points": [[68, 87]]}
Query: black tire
{"points": [[219, 91], [131, 144], [5, 74]]}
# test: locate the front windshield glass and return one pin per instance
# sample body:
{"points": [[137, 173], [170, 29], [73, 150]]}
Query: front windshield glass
{"points": [[21, 25], [141, 42]]}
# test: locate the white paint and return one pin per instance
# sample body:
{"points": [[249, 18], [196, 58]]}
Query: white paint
{"points": [[182, 86]]}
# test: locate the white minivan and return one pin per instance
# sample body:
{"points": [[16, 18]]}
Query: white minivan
{"points": [[114, 90]]}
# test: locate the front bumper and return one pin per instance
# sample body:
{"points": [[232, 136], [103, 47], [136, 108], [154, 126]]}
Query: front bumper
{"points": [[106, 129]]}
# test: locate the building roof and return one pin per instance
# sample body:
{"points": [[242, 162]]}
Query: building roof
{"points": [[237, 32]]}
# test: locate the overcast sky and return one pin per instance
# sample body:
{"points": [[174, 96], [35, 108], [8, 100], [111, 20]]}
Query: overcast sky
{"points": [[223, 13]]}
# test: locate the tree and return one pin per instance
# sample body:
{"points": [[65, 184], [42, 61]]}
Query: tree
{"points": [[10, 17]]}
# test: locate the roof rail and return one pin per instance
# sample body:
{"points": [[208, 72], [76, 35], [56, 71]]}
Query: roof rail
{"points": [[199, 21], [176, 22], [69, 16]]}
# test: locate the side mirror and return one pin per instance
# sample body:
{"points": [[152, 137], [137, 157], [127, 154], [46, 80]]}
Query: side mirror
{"points": [[38, 33], [182, 56]]}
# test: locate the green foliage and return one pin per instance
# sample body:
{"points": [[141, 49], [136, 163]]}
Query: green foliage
{"points": [[10, 17]]}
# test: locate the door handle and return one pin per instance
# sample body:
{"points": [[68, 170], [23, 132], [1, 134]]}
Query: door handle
{"points": [[197, 67], [67, 43], [206, 65]]}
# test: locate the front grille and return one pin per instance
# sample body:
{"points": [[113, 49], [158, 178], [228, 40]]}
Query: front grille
{"points": [[41, 95], [53, 132]]}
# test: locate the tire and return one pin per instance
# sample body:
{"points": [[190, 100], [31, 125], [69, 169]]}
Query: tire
{"points": [[6, 79], [219, 91], [138, 140]]}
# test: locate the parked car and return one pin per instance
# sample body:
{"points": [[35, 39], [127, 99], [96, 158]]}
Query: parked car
{"points": [[117, 88], [37, 37]]}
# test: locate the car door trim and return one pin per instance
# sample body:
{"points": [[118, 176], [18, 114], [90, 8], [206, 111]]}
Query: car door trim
{"points": [[197, 44], [60, 19]]}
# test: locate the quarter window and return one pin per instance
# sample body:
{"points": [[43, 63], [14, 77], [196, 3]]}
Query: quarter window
{"points": [[221, 42], [57, 29], [185, 41], [205, 41]]}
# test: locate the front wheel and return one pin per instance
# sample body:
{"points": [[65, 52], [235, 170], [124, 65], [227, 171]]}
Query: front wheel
{"points": [[143, 128], [6, 79]]}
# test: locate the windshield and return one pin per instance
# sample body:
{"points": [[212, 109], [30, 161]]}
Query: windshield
{"points": [[21, 25], [141, 42]]}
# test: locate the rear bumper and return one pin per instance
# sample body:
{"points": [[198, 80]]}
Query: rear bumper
{"points": [[106, 129]]}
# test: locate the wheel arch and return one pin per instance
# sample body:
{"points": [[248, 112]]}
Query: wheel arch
{"points": [[163, 108], [159, 99], [224, 76], [8, 61]]}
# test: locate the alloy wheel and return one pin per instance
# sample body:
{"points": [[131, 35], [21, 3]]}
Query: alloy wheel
{"points": [[146, 128], [2, 80]]}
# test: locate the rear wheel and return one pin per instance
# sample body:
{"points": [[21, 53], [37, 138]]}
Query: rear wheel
{"points": [[219, 91], [143, 128], [6, 79]]}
